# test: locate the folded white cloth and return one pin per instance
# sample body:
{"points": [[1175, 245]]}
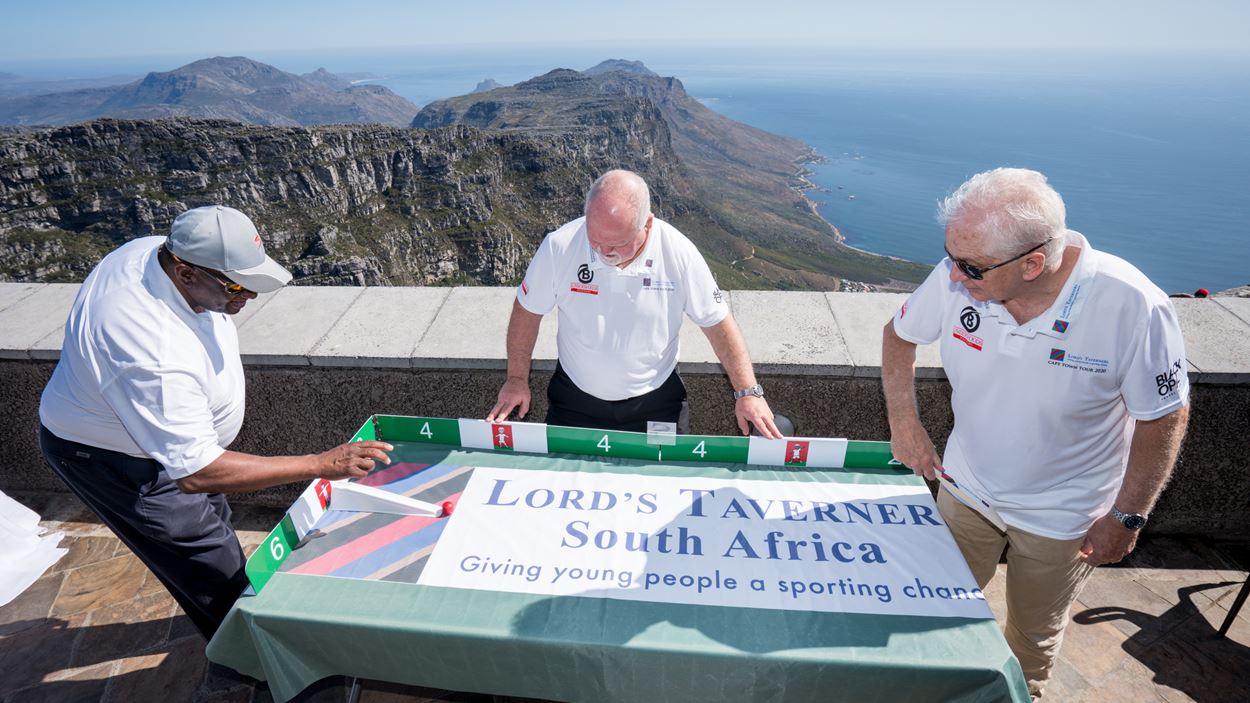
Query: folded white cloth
{"points": [[25, 551]]}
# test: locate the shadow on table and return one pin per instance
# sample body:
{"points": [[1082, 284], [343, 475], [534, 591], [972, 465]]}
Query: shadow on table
{"points": [[600, 616], [1183, 649]]}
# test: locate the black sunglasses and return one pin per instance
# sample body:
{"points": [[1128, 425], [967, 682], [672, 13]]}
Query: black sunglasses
{"points": [[976, 273], [230, 287]]}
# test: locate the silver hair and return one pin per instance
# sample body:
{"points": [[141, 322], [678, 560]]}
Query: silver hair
{"points": [[1013, 209], [626, 184]]}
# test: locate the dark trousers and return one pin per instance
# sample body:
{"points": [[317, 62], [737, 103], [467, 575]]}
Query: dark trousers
{"points": [[184, 538], [570, 406]]}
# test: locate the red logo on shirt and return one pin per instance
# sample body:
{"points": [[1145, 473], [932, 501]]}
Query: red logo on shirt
{"points": [[524, 289], [588, 288], [501, 436], [902, 312], [323, 493], [970, 339], [796, 453]]}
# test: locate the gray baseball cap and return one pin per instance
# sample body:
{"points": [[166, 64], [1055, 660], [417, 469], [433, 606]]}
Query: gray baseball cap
{"points": [[222, 238]]}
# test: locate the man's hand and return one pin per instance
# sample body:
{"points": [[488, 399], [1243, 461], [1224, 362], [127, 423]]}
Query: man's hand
{"points": [[912, 446], [1107, 542], [514, 394], [755, 410], [352, 460]]}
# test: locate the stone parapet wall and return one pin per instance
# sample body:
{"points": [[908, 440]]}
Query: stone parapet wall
{"points": [[320, 360]]}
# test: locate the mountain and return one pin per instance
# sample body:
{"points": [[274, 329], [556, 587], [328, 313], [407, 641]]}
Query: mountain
{"points": [[488, 84], [636, 67], [750, 181], [338, 205], [235, 88]]}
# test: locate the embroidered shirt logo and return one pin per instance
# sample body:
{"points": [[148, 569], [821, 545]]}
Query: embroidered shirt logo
{"points": [[1060, 326], [970, 318], [1058, 354], [584, 274]]}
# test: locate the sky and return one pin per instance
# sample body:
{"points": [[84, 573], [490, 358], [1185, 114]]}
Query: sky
{"points": [[63, 29]]}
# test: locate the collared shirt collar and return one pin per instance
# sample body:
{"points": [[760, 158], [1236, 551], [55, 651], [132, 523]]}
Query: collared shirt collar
{"points": [[1056, 320], [642, 265], [162, 288]]}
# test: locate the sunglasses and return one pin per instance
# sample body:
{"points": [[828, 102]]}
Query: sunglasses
{"points": [[976, 273], [230, 287]]}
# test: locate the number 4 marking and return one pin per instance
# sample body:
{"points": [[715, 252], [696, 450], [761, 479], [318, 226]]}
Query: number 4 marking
{"points": [[603, 444], [700, 449], [426, 432]]}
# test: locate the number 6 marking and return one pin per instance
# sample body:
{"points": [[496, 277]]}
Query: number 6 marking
{"points": [[276, 548]]}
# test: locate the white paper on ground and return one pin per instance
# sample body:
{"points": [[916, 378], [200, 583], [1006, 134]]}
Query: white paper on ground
{"points": [[346, 495], [25, 551]]}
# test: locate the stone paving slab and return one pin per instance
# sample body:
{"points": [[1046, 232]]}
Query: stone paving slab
{"points": [[791, 333], [285, 330], [382, 328], [11, 293], [1217, 342], [861, 317], [252, 307], [471, 329], [34, 317], [1237, 306]]}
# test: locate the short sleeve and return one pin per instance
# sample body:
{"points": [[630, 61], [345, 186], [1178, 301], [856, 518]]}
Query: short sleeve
{"points": [[166, 413], [705, 303], [537, 292], [919, 319], [1156, 379]]}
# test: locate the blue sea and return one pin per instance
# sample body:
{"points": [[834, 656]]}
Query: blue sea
{"points": [[1151, 153]]}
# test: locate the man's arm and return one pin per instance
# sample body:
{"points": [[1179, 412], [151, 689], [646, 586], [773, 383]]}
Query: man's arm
{"points": [[236, 472], [522, 334], [731, 349], [1151, 458], [908, 439]]}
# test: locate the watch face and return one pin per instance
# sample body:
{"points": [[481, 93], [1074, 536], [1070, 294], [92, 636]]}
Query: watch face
{"points": [[1134, 522]]}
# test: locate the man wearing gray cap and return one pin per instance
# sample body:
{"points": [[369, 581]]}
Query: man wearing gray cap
{"points": [[149, 392]]}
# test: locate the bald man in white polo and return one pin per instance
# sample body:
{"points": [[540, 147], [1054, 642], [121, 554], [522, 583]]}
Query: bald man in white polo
{"points": [[622, 280]]}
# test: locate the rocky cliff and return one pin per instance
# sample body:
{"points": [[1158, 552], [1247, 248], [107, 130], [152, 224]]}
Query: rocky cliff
{"points": [[342, 205], [751, 181]]}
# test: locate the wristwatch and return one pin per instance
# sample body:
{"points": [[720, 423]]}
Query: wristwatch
{"points": [[757, 390], [1131, 521]]}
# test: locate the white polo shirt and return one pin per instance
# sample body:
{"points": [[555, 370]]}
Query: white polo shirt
{"points": [[140, 372], [1044, 411], [618, 327]]}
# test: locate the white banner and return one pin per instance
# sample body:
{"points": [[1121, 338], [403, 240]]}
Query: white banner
{"points": [[786, 545]]}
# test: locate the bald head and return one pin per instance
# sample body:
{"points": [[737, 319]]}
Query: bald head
{"points": [[620, 196]]}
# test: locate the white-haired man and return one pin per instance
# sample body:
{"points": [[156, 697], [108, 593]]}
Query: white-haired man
{"points": [[622, 279], [1067, 372]]}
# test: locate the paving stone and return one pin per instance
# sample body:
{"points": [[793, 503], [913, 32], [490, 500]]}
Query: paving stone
{"points": [[1237, 306], [1217, 342], [84, 550], [99, 585], [28, 656], [70, 685], [1134, 610], [382, 328], [470, 329], [11, 293], [1129, 683], [287, 328], [1194, 661], [124, 629], [172, 675], [1093, 649], [860, 320], [791, 332], [253, 306], [34, 317], [1065, 683], [31, 607]]}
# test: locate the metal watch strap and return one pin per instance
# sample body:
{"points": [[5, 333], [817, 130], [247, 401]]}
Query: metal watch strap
{"points": [[757, 390], [1131, 521]]}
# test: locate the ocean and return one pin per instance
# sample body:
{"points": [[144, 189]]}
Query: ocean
{"points": [[1151, 153]]}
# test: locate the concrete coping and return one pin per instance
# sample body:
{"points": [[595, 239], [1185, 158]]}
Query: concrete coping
{"points": [[787, 333]]}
